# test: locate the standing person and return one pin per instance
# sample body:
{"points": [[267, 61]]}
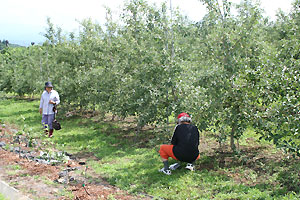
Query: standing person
{"points": [[49, 99], [184, 145]]}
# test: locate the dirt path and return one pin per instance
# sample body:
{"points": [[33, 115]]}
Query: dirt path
{"points": [[45, 181]]}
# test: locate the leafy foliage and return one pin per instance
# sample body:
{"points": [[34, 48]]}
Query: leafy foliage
{"points": [[290, 178], [229, 48], [277, 117], [232, 70]]}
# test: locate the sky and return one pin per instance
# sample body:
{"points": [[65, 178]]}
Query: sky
{"points": [[25, 21]]}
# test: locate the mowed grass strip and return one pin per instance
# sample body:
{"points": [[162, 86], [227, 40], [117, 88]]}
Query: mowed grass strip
{"points": [[132, 164]]}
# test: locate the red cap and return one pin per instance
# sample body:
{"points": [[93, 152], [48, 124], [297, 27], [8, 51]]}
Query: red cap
{"points": [[182, 115]]}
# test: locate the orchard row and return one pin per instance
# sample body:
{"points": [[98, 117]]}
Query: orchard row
{"points": [[233, 70]]}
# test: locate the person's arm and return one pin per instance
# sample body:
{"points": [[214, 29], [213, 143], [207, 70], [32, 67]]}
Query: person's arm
{"points": [[41, 104], [57, 100], [197, 136], [174, 137]]}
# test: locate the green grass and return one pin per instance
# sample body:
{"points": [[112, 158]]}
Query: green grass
{"points": [[13, 169], [66, 193], [132, 164], [2, 197]]}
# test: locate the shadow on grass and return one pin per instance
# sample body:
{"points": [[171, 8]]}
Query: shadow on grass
{"points": [[84, 136], [249, 156]]}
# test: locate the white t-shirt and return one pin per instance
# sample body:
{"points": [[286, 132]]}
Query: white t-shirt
{"points": [[44, 103]]}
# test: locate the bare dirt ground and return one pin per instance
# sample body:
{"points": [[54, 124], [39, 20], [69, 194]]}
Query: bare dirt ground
{"points": [[44, 181]]}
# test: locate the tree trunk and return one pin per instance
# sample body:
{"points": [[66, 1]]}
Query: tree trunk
{"points": [[113, 117], [232, 146], [137, 133]]}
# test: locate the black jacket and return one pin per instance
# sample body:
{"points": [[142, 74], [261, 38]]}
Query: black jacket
{"points": [[186, 140]]}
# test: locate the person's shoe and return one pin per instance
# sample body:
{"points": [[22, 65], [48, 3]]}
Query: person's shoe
{"points": [[167, 172], [174, 166], [190, 166], [46, 132], [51, 133]]}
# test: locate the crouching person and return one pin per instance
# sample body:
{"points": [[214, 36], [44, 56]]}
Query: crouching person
{"points": [[184, 145]]}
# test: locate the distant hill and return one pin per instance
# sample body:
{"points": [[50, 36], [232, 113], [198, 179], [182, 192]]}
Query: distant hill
{"points": [[5, 43]]}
